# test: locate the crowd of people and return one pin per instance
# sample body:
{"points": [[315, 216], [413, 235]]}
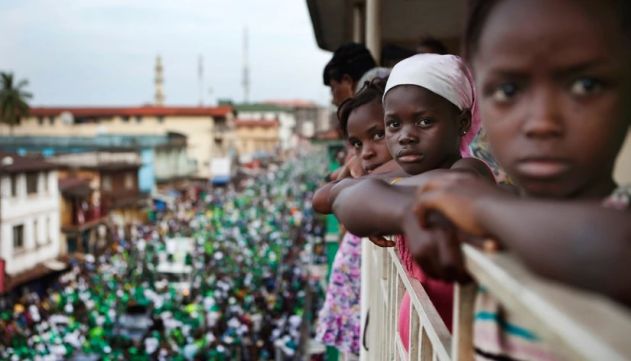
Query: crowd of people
{"points": [[511, 146], [221, 275]]}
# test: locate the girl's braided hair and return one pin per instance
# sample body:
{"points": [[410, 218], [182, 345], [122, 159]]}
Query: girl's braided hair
{"points": [[370, 91]]}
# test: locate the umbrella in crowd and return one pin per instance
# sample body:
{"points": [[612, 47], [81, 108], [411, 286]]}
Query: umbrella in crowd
{"points": [[219, 276]]}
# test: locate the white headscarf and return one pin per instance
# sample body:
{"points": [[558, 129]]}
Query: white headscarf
{"points": [[444, 75]]}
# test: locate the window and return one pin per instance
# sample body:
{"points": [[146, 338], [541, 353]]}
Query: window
{"points": [[160, 119], [18, 236], [129, 181], [40, 120], [139, 119], [51, 120], [106, 183], [125, 119], [31, 183], [14, 185]]}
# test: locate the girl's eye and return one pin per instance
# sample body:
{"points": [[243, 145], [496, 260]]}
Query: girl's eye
{"points": [[392, 124], [424, 123], [585, 86], [355, 144], [378, 135], [504, 92]]}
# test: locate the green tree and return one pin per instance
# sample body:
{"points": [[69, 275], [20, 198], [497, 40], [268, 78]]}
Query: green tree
{"points": [[13, 100]]}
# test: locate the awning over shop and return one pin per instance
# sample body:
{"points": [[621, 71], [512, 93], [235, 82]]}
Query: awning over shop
{"points": [[38, 271]]}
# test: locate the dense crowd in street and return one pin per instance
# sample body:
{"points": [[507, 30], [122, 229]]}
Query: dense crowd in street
{"points": [[220, 275]]}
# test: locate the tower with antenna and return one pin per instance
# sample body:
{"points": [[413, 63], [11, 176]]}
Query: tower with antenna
{"points": [[246, 68], [159, 83], [200, 79]]}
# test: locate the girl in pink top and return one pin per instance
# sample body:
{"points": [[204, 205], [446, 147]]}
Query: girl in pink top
{"points": [[430, 120]]}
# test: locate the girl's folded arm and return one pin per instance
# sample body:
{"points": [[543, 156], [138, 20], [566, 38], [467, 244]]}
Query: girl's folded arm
{"points": [[321, 199], [582, 244], [370, 206], [373, 207]]}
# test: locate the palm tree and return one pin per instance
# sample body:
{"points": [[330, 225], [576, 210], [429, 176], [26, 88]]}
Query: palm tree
{"points": [[13, 97]]}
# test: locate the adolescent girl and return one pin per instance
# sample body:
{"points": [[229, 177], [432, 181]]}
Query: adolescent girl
{"points": [[361, 119], [430, 119], [554, 79]]}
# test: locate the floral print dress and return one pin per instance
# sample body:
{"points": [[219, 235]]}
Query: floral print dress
{"points": [[340, 318]]}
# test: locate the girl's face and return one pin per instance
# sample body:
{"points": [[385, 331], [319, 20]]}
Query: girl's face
{"points": [[366, 135], [341, 89], [423, 129], [551, 75]]}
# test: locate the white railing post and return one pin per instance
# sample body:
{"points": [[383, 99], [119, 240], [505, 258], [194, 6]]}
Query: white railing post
{"points": [[581, 326], [462, 342]]}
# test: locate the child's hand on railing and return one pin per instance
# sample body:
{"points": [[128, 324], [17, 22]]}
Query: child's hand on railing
{"points": [[436, 249], [460, 197]]}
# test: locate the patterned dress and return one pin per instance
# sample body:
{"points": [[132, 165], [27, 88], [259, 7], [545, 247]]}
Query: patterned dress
{"points": [[500, 335], [340, 318]]}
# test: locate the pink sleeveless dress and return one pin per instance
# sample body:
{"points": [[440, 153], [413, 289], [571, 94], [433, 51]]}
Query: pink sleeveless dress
{"points": [[441, 293]]}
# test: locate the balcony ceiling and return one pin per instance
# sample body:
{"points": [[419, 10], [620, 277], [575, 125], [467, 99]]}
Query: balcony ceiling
{"points": [[403, 21]]}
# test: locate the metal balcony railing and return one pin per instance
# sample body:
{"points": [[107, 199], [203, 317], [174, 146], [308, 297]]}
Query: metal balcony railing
{"points": [[581, 325]]}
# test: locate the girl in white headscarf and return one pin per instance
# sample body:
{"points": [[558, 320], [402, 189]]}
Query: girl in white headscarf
{"points": [[430, 119]]}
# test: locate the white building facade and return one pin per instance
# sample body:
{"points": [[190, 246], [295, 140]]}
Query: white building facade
{"points": [[29, 213]]}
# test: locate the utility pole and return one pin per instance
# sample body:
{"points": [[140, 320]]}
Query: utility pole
{"points": [[200, 79]]}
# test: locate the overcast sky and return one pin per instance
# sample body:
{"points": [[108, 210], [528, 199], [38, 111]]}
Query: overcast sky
{"points": [[102, 52]]}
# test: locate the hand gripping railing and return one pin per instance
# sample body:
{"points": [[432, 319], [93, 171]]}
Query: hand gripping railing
{"points": [[580, 325]]}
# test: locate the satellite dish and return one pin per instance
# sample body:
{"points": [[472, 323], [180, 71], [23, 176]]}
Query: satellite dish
{"points": [[66, 118]]}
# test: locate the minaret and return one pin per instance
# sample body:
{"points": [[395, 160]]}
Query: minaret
{"points": [[246, 68], [159, 80]]}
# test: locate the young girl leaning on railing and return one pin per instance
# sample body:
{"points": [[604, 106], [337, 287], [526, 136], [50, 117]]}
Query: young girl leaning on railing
{"points": [[555, 85], [361, 120], [430, 120]]}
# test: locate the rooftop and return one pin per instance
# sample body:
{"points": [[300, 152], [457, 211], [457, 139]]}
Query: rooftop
{"points": [[13, 163], [100, 141], [98, 160], [75, 186], [256, 123], [292, 103], [143, 111], [259, 107]]}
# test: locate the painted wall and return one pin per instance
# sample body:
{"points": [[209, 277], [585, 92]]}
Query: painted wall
{"points": [[199, 130], [147, 173], [38, 213], [251, 139]]}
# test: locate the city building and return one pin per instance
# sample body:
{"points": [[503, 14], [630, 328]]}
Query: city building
{"points": [[29, 220], [256, 138], [310, 117], [83, 219], [296, 118], [164, 157], [208, 130], [99, 188], [269, 112]]}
